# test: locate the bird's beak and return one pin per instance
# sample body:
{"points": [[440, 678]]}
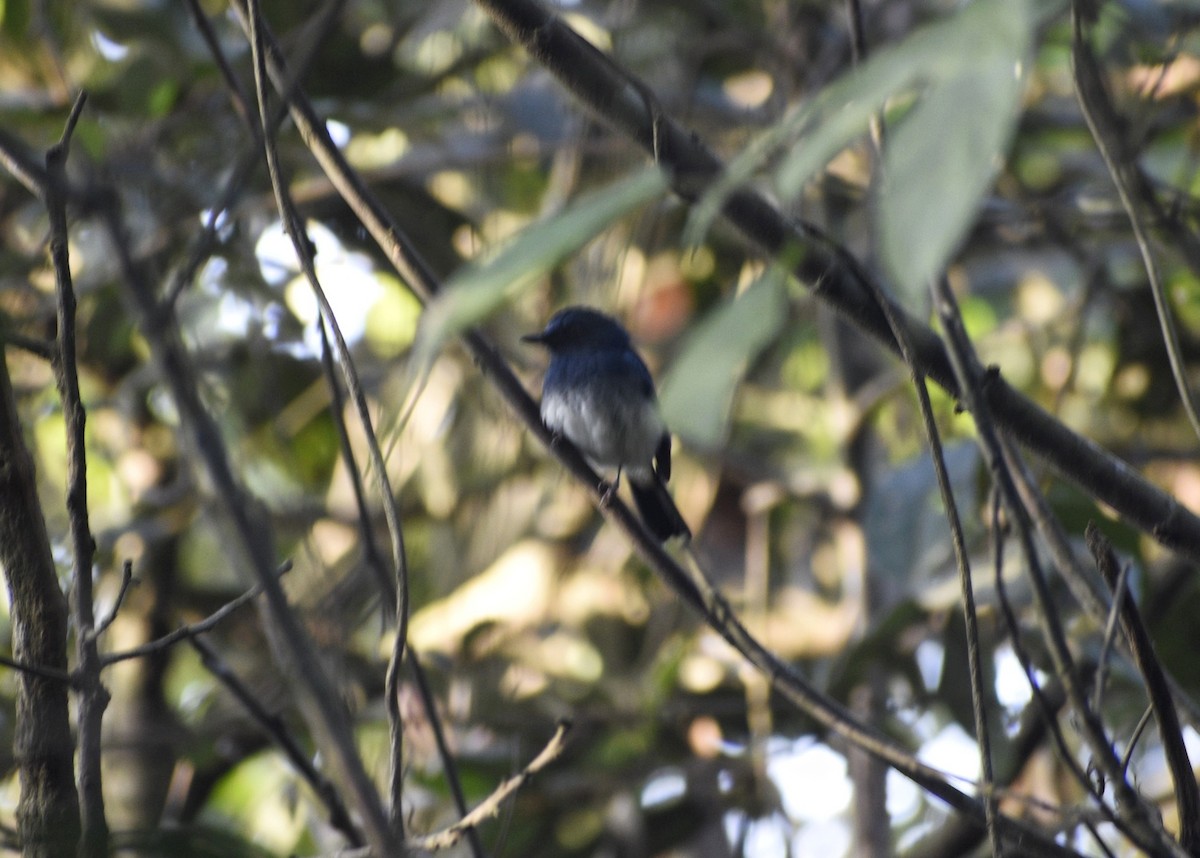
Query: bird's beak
{"points": [[539, 337]]}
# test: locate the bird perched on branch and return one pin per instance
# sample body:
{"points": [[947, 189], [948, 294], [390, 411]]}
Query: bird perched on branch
{"points": [[599, 395]]}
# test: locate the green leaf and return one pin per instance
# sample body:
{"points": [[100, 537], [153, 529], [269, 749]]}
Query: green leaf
{"points": [[482, 287], [944, 155], [697, 395], [962, 77]]}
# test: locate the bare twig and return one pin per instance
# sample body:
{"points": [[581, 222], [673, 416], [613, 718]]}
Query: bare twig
{"points": [[190, 631], [35, 346], [303, 246], [1135, 817], [1187, 796], [491, 805], [37, 670], [439, 736], [126, 581], [1110, 633], [1105, 127], [248, 537], [93, 697]]}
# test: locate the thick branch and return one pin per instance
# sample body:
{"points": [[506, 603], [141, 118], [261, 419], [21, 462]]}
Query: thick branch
{"points": [[48, 810]]}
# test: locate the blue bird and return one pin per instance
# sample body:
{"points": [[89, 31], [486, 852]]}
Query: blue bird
{"points": [[599, 395]]}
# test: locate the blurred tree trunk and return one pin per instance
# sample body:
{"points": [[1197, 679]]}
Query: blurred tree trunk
{"points": [[48, 810]]}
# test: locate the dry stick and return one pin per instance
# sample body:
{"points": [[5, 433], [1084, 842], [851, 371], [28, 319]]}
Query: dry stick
{"points": [[957, 836], [379, 833], [93, 697], [449, 766], [326, 790], [1187, 796], [126, 582], [1104, 125], [1139, 820], [491, 805], [371, 556], [1110, 634], [949, 504], [970, 616], [1082, 579], [375, 562], [835, 275], [34, 345], [304, 252], [1047, 702], [786, 681]]}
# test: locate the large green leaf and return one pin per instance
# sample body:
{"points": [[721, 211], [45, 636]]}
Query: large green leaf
{"points": [[942, 158], [962, 76], [697, 395]]}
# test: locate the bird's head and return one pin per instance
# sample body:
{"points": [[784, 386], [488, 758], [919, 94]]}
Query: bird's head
{"points": [[580, 328]]}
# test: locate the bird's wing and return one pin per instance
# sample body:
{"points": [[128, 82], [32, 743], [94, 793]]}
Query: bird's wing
{"points": [[631, 366]]}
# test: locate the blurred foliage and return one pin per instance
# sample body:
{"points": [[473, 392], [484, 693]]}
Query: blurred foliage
{"points": [[801, 464]]}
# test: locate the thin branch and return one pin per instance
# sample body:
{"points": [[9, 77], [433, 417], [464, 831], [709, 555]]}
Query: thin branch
{"points": [[37, 670], [326, 790], [126, 582], [1187, 796], [491, 805], [1136, 736], [439, 736], [1137, 819], [36, 346], [93, 697], [248, 160], [304, 251], [190, 631], [1110, 634], [1105, 127]]}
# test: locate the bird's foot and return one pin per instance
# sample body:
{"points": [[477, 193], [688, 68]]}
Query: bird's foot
{"points": [[608, 490]]}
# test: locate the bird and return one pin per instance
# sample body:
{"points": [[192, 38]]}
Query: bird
{"points": [[598, 394]]}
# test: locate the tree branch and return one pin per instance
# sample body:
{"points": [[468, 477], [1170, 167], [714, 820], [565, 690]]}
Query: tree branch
{"points": [[834, 275], [93, 696]]}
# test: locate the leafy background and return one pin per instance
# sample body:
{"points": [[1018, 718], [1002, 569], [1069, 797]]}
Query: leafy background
{"points": [[801, 464]]}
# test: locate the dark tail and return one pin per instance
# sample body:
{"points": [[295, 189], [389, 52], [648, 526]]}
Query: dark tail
{"points": [[658, 511]]}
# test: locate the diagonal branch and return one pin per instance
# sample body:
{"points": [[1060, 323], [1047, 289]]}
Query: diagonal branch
{"points": [[835, 276], [1103, 122], [1187, 796]]}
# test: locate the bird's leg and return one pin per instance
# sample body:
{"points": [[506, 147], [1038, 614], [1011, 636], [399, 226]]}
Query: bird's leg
{"points": [[609, 490]]}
